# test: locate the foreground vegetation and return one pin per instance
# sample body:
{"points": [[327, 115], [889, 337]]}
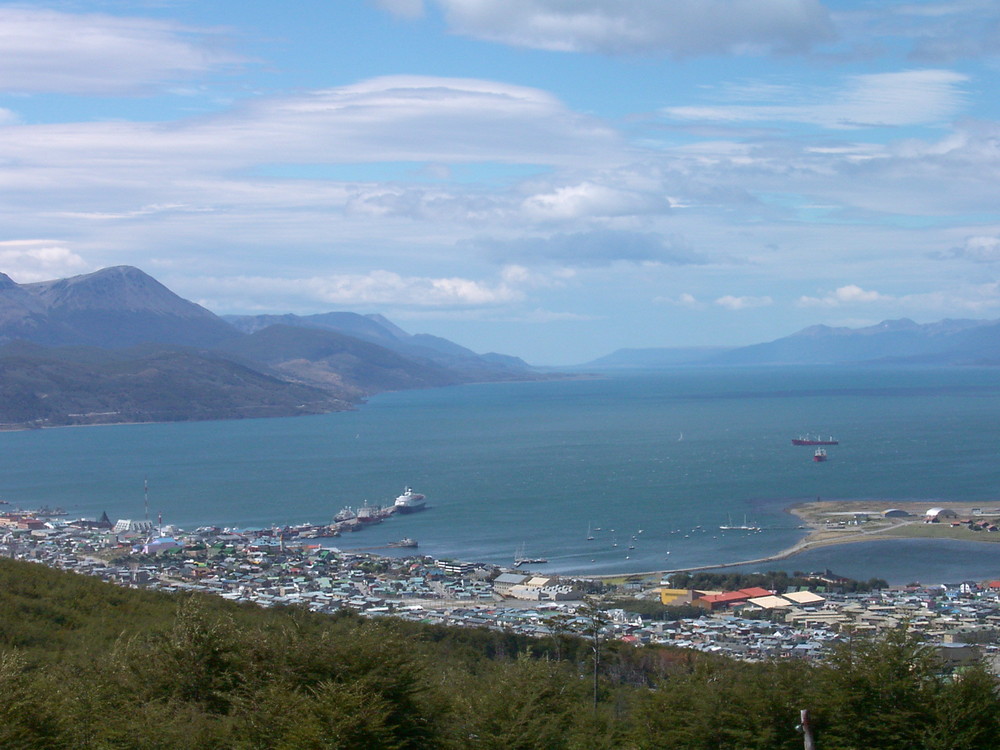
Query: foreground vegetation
{"points": [[87, 665]]}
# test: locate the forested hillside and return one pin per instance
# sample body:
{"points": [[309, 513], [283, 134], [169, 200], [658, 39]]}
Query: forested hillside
{"points": [[84, 664]]}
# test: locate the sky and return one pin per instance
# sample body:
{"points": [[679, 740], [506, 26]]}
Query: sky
{"points": [[552, 179]]}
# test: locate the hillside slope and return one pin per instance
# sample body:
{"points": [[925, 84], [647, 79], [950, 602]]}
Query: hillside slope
{"points": [[48, 387]]}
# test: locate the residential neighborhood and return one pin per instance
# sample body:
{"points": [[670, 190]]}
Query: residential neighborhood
{"points": [[271, 567]]}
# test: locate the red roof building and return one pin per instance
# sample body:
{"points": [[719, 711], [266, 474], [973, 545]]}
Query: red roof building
{"points": [[713, 602]]}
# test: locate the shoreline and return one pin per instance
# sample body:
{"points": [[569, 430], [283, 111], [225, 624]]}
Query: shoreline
{"points": [[826, 524], [816, 517]]}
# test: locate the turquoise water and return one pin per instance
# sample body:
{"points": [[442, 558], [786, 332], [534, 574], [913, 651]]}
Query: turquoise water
{"points": [[674, 454]]}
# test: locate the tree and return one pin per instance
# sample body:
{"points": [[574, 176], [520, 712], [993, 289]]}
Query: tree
{"points": [[596, 620], [891, 693]]}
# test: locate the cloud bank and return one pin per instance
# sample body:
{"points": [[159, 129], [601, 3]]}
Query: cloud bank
{"points": [[626, 27], [52, 51]]}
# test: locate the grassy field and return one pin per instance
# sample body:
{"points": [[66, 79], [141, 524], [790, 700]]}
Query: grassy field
{"points": [[824, 519], [941, 531]]}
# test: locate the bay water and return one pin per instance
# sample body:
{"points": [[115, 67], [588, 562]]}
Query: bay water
{"points": [[648, 463]]}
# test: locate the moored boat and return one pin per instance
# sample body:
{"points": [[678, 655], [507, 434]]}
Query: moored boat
{"points": [[404, 542], [409, 501], [370, 513]]}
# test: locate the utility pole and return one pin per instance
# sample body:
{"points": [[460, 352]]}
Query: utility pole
{"points": [[807, 735]]}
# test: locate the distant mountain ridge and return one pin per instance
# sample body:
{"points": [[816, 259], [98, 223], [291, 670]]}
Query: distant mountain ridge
{"points": [[902, 341], [111, 308], [942, 342], [376, 329], [116, 345]]}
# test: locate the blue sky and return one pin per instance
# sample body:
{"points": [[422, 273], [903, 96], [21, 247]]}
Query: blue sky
{"points": [[544, 178]]}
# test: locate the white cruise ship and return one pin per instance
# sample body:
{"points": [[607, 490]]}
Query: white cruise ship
{"points": [[409, 501]]}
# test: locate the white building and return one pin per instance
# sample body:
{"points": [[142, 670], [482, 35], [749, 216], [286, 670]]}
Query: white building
{"points": [[128, 526]]}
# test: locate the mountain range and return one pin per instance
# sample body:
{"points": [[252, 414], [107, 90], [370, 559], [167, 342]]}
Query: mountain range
{"points": [[118, 346], [946, 342]]}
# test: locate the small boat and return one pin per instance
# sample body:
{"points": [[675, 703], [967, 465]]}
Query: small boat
{"points": [[404, 542], [819, 455]]}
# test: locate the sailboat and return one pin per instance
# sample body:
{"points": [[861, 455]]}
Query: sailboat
{"points": [[745, 527], [590, 537], [520, 559]]}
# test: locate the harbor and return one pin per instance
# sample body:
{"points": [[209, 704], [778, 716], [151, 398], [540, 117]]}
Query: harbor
{"points": [[266, 569]]}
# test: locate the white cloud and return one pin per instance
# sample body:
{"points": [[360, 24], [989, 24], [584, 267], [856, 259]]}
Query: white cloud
{"points": [[150, 210], [982, 249], [686, 299], [525, 278], [589, 199], [845, 295], [743, 303], [942, 31], [51, 51], [26, 261], [973, 298], [375, 289], [912, 97], [673, 27], [404, 118], [599, 247]]}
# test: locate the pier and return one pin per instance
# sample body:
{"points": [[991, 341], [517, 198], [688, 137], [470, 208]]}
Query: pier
{"points": [[389, 545]]}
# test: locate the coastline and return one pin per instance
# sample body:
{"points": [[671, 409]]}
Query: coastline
{"points": [[832, 523], [343, 407]]}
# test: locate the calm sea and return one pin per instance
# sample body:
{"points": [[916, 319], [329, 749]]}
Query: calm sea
{"points": [[650, 464]]}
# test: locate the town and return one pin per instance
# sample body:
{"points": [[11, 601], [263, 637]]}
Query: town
{"points": [[284, 566]]}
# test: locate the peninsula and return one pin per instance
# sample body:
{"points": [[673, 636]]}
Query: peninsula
{"points": [[831, 522]]}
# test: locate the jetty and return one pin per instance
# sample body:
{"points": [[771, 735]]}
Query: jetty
{"points": [[401, 544]]}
